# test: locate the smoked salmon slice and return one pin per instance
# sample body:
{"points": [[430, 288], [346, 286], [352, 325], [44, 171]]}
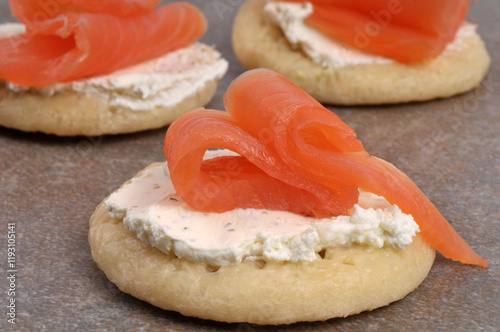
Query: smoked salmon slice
{"points": [[406, 30], [29, 11], [79, 43], [294, 155]]}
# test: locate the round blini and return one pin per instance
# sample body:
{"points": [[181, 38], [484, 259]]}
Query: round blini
{"points": [[342, 281], [261, 44], [70, 113]]}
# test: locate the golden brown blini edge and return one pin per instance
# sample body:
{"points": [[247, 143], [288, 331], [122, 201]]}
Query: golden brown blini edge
{"points": [[260, 44], [342, 281], [71, 113]]}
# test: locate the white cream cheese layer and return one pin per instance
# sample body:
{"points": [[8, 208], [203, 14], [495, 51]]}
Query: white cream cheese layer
{"points": [[161, 82], [11, 29], [290, 17], [150, 208]]}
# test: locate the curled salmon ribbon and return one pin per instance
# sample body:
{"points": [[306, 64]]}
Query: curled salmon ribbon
{"points": [[407, 31], [76, 39], [294, 155]]}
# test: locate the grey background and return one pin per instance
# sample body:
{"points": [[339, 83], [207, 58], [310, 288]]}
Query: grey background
{"points": [[50, 186]]}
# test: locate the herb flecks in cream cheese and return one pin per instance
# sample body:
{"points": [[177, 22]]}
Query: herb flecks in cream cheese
{"points": [[149, 208]]}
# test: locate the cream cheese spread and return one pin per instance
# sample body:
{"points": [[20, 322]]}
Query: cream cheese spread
{"points": [[161, 82], [11, 29], [150, 208], [320, 48]]}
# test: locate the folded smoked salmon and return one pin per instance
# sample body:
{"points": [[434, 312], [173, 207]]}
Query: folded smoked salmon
{"points": [[405, 30], [293, 155], [360, 52], [80, 39]]}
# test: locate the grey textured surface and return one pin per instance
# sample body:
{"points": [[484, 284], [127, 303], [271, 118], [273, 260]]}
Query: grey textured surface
{"points": [[50, 186]]}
